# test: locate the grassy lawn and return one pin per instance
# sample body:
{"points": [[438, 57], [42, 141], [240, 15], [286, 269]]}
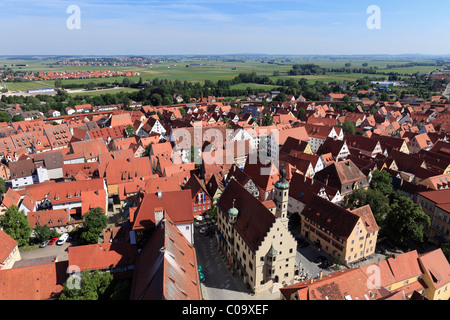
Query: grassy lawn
{"points": [[24, 86], [255, 86], [101, 92]]}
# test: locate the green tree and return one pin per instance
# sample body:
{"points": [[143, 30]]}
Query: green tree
{"points": [[89, 286], [381, 180], [384, 96], [16, 225], [405, 220], [378, 202], [4, 116], [348, 127], [16, 118], [301, 114], [156, 99], [93, 224], [58, 83], [267, 120], [42, 233], [281, 97], [213, 211], [130, 130], [2, 187], [126, 82]]}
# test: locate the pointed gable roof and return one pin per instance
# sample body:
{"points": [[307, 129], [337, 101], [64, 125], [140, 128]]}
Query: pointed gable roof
{"points": [[264, 181], [366, 215], [195, 185], [436, 266], [254, 220]]}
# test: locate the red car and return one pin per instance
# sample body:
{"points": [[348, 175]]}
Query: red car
{"points": [[52, 241]]}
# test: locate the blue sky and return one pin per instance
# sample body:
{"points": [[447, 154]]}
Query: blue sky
{"points": [[224, 27]]}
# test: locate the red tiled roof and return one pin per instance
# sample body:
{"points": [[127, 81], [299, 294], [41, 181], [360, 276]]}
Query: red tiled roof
{"points": [[10, 198], [37, 282], [366, 215], [102, 256], [129, 169], [167, 267], [436, 266], [177, 205], [337, 220], [254, 219], [51, 218], [349, 284], [7, 245]]}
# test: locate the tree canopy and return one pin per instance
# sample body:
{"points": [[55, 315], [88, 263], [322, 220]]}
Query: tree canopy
{"points": [[87, 286], [405, 220], [398, 217], [16, 225], [94, 223]]}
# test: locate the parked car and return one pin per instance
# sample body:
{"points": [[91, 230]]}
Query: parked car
{"points": [[52, 241], [62, 239], [320, 259], [303, 244], [44, 244]]}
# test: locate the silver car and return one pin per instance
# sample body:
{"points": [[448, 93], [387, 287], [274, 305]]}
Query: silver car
{"points": [[44, 244]]}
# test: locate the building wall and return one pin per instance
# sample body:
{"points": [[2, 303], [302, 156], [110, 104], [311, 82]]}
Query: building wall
{"points": [[22, 182], [55, 174], [404, 282], [295, 206], [283, 268], [67, 205], [254, 267], [187, 229], [439, 218], [11, 259], [200, 206], [404, 148], [315, 143], [358, 245]]}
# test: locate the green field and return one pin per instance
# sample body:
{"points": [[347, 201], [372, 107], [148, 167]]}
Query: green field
{"points": [[215, 69], [101, 92], [24, 86]]}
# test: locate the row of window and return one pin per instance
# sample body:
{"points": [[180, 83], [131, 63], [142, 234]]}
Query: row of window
{"points": [[200, 208]]}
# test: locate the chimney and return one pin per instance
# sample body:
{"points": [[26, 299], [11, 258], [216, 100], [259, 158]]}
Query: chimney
{"points": [[159, 194], [320, 274]]}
